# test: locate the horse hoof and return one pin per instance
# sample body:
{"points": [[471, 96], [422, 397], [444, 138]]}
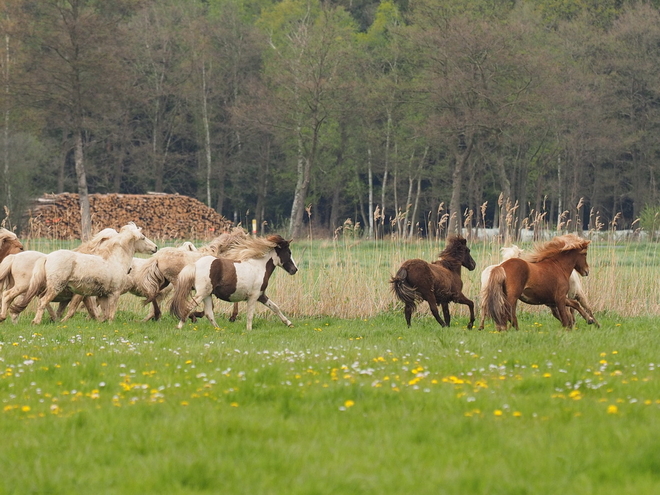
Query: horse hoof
{"points": [[290, 325]]}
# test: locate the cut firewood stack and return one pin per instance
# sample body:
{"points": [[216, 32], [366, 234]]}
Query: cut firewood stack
{"points": [[161, 216]]}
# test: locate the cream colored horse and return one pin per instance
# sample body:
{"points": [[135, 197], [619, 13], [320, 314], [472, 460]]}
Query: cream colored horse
{"points": [[86, 274]]}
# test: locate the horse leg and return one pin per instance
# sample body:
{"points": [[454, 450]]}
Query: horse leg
{"points": [[73, 306], [251, 303], [512, 317], [563, 313], [445, 312], [112, 303], [263, 299], [234, 313], [434, 309], [92, 307], [208, 310], [7, 298], [408, 311], [461, 299], [44, 301], [575, 305]]}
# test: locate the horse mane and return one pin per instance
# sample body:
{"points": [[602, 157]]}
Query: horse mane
{"points": [[6, 235], [94, 244], [511, 252], [224, 242], [249, 248], [560, 244]]}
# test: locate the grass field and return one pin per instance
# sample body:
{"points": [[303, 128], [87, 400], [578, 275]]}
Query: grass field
{"points": [[341, 404]]}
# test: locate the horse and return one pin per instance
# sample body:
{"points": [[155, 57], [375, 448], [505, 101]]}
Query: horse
{"points": [[436, 283], [86, 274], [16, 271], [162, 269], [137, 283], [242, 274], [9, 243], [540, 279]]}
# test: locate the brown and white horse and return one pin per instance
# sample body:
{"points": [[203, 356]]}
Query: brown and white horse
{"points": [[242, 274], [436, 283], [86, 274], [540, 279], [160, 272]]}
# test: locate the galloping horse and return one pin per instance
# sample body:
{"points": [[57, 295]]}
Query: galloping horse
{"points": [[16, 272], [542, 278], [242, 274], [86, 274], [436, 283], [163, 268]]}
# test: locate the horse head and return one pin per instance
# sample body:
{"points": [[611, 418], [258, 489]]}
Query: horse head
{"points": [[581, 264], [457, 246], [283, 251], [9, 243], [141, 242]]}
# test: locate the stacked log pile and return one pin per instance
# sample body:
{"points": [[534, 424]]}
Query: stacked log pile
{"points": [[161, 216]]}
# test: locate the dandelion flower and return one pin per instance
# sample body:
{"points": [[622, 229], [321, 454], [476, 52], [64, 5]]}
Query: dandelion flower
{"points": [[497, 412], [349, 403], [612, 409]]}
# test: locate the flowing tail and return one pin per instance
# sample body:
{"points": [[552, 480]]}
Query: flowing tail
{"points": [[494, 303], [151, 281], [36, 287], [404, 292], [6, 280], [184, 284]]}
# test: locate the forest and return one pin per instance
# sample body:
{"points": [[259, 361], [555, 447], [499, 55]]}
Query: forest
{"points": [[391, 118]]}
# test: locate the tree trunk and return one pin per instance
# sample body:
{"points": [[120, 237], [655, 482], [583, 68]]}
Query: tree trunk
{"points": [[207, 137], [457, 183], [85, 215]]}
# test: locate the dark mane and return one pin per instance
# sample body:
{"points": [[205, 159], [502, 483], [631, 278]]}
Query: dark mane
{"points": [[453, 253], [556, 246]]}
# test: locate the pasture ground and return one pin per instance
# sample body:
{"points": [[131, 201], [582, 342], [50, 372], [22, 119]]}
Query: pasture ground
{"points": [[332, 406]]}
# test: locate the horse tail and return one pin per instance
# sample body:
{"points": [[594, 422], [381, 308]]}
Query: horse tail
{"points": [[150, 280], [402, 290], [36, 287], [494, 303], [184, 285], [6, 280]]}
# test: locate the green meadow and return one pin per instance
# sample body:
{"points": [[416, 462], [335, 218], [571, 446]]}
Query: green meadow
{"points": [[341, 404]]}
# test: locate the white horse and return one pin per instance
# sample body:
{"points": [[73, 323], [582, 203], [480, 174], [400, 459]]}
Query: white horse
{"points": [[575, 288], [16, 272], [86, 274], [137, 283]]}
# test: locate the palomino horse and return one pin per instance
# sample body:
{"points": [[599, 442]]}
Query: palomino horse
{"points": [[9, 243], [575, 289], [86, 274], [242, 274], [436, 283], [542, 278]]}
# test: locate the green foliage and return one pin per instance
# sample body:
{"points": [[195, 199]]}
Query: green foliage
{"points": [[649, 220]]}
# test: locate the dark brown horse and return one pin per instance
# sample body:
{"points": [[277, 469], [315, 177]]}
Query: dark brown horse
{"points": [[436, 283], [540, 278]]}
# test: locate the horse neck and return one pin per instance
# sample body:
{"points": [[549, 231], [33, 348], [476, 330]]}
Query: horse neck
{"points": [[567, 260], [122, 253], [451, 264]]}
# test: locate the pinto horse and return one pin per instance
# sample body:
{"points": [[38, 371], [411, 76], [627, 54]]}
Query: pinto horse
{"points": [[242, 274], [436, 283], [540, 279]]}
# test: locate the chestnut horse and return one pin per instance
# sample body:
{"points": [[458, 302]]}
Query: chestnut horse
{"points": [[540, 279], [436, 283]]}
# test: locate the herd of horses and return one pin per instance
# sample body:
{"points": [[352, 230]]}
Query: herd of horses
{"points": [[237, 267], [550, 276], [234, 267]]}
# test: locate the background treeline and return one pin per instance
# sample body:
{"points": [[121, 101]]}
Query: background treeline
{"points": [[406, 116]]}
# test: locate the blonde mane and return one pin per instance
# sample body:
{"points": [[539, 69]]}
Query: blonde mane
{"points": [[93, 246], [554, 247], [224, 242], [6, 235], [252, 247]]}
